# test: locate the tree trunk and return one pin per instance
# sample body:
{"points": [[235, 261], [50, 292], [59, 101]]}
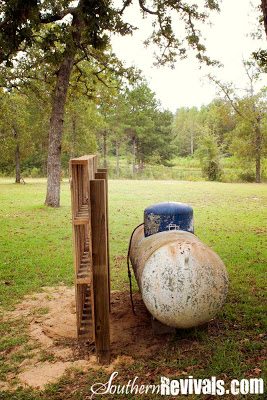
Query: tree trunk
{"points": [[17, 156], [134, 154], [192, 143], [44, 166], [73, 141], [57, 115], [17, 159], [264, 12], [258, 143], [105, 148], [258, 169], [117, 158], [55, 133]]}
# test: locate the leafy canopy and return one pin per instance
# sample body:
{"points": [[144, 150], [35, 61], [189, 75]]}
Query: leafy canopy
{"points": [[88, 22]]}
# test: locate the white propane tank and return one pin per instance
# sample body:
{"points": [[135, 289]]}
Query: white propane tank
{"points": [[182, 281]]}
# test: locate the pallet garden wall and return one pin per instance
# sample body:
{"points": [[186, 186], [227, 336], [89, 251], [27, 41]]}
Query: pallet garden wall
{"points": [[89, 201]]}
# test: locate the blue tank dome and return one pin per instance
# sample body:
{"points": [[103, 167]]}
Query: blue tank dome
{"points": [[168, 216]]}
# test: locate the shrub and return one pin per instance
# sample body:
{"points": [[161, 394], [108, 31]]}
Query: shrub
{"points": [[247, 176], [35, 172], [209, 155]]}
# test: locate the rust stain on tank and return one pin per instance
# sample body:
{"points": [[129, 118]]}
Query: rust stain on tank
{"points": [[172, 248]]}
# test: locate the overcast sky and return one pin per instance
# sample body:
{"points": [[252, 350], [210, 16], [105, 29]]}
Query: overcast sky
{"points": [[228, 41]]}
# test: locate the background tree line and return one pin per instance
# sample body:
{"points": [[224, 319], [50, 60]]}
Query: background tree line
{"points": [[127, 122]]}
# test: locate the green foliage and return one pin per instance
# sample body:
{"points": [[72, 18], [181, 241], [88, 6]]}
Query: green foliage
{"points": [[247, 176], [188, 125], [14, 129], [209, 155], [133, 120], [248, 136], [149, 128], [82, 120], [243, 143], [162, 144], [24, 123], [186, 130], [220, 120], [20, 20]]}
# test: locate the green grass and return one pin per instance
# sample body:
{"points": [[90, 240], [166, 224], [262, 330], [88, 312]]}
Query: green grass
{"points": [[36, 251]]}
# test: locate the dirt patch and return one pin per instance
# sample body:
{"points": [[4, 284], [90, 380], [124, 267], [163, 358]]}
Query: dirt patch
{"points": [[131, 334], [260, 230], [52, 327], [43, 373]]}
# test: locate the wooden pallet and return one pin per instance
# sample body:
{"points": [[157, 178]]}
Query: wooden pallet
{"points": [[91, 252]]}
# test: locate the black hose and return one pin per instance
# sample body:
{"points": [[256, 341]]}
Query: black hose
{"points": [[129, 269]]}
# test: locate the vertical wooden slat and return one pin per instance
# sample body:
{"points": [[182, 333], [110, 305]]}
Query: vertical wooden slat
{"points": [[90, 176], [95, 164], [104, 175], [91, 168], [78, 186], [73, 188], [100, 269]]}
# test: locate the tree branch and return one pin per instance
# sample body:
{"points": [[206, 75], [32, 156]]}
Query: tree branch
{"points": [[46, 19], [96, 74], [227, 94], [125, 5], [144, 8]]}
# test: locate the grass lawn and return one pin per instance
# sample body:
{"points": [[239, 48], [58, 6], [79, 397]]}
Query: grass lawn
{"points": [[36, 251]]}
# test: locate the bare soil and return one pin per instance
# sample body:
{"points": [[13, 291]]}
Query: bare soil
{"points": [[51, 320]]}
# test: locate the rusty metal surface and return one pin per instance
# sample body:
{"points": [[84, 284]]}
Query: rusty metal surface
{"points": [[182, 281], [152, 222]]}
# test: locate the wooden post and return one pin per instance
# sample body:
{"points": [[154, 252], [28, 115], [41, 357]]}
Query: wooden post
{"points": [[103, 174], [100, 269]]}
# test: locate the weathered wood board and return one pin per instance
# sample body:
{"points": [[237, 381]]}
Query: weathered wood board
{"points": [[89, 202]]}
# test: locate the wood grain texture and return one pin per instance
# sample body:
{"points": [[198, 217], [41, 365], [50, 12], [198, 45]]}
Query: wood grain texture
{"points": [[100, 269], [103, 174], [89, 202]]}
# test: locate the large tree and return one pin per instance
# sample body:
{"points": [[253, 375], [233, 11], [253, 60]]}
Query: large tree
{"points": [[186, 129], [148, 128], [115, 112], [74, 33], [249, 135], [219, 118]]}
